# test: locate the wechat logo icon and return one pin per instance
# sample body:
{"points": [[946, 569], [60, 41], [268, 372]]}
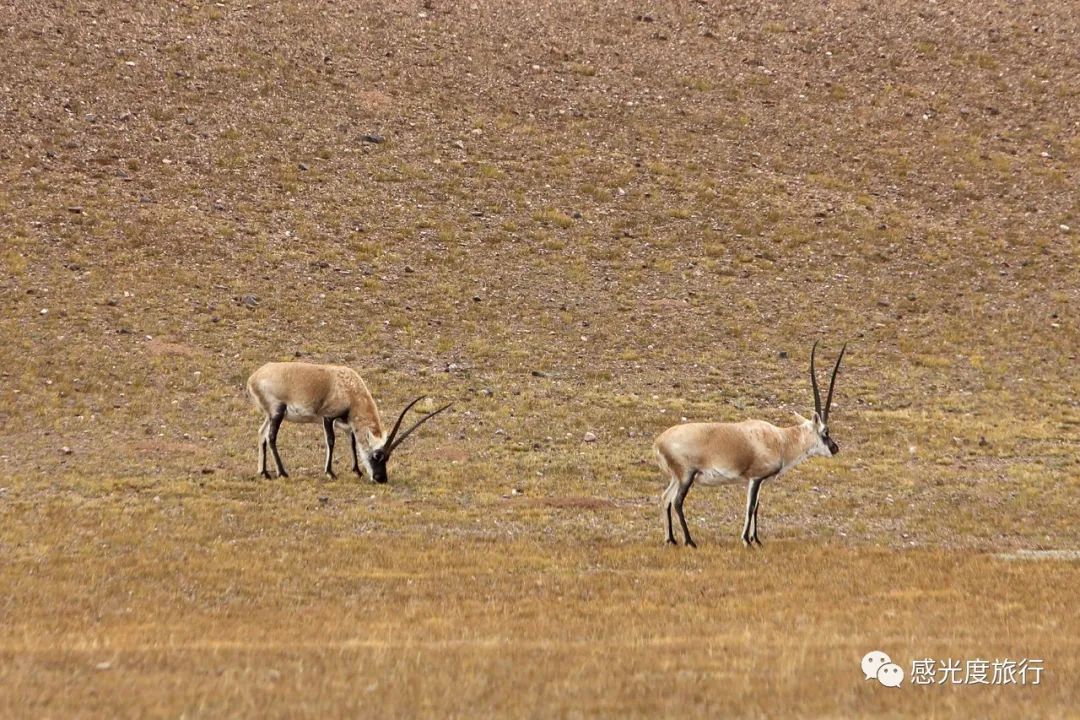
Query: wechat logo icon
{"points": [[878, 666]]}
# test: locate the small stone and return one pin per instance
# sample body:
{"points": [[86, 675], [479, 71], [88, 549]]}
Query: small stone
{"points": [[783, 354], [103, 665], [589, 437], [409, 269], [249, 301], [323, 500], [76, 209], [540, 374], [44, 311], [66, 450], [1063, 228], [207, 471], [303, 166], [459, 145], [476, 298], [373, 139], [982, 441]]}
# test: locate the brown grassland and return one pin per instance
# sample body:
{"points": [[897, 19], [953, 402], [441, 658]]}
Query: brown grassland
{"points": [[569, 218]]}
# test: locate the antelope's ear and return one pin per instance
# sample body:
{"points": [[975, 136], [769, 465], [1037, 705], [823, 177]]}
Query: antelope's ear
{"points": [[799, 417], [817, 420]]}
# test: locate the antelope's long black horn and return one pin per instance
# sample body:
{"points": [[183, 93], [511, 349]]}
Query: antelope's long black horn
{"points": [[832, 382], [419, 422], [813, 382], [390, 440]]}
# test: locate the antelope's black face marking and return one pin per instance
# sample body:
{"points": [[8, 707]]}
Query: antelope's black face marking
{"points": [[829, 443], [378, 465]]}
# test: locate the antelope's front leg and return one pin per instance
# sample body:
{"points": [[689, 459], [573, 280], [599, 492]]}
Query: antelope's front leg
{"points": [[751, 506]]}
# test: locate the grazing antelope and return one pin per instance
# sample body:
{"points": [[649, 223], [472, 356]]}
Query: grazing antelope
{"points": [[335, 395], [751, 452]]}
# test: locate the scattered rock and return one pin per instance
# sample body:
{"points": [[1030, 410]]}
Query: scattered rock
{"points": [[373, 139], [249, 301], [76, 209], [1063, 228], [324, 500], [66, 450], [982, 441], [540, 374], [303, 166], [207, 471], [589, 437], [783, 354]]}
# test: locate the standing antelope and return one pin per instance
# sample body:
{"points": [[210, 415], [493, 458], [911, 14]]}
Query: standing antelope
{"points": [[751, 452], [307, 393]]}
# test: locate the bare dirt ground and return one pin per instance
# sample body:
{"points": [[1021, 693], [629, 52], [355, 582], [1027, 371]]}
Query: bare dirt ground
{"points": [[568, 218]]}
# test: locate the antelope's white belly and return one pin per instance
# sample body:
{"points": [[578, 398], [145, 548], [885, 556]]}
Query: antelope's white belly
{"points": [[718, 476], [301, 414]]}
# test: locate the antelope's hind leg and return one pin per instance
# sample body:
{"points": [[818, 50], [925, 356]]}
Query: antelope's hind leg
{"points": [[683, 489], [275, 424], [666, 500], [328, 428], [754, 525], [263, 442]]}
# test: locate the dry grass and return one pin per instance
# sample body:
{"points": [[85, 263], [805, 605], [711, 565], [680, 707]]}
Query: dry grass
{"points": [[230, 598], [647, 207]]}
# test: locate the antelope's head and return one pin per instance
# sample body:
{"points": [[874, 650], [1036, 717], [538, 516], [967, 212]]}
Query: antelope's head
{"points": [[377, 458], [827, 446]]}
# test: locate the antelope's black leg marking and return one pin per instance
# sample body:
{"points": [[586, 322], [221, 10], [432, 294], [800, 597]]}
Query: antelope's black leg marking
{"points": [[328, 428], [275, 423], [753, 536], [355, 456], [683, 489], [751, 504], [670, 534]]}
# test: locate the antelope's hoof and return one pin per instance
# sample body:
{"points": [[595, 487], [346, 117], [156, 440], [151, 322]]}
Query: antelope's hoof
{"points": [[265, 474], [283, 474], [671, 541], [330, 476], [757, 542], [690, 543]]}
